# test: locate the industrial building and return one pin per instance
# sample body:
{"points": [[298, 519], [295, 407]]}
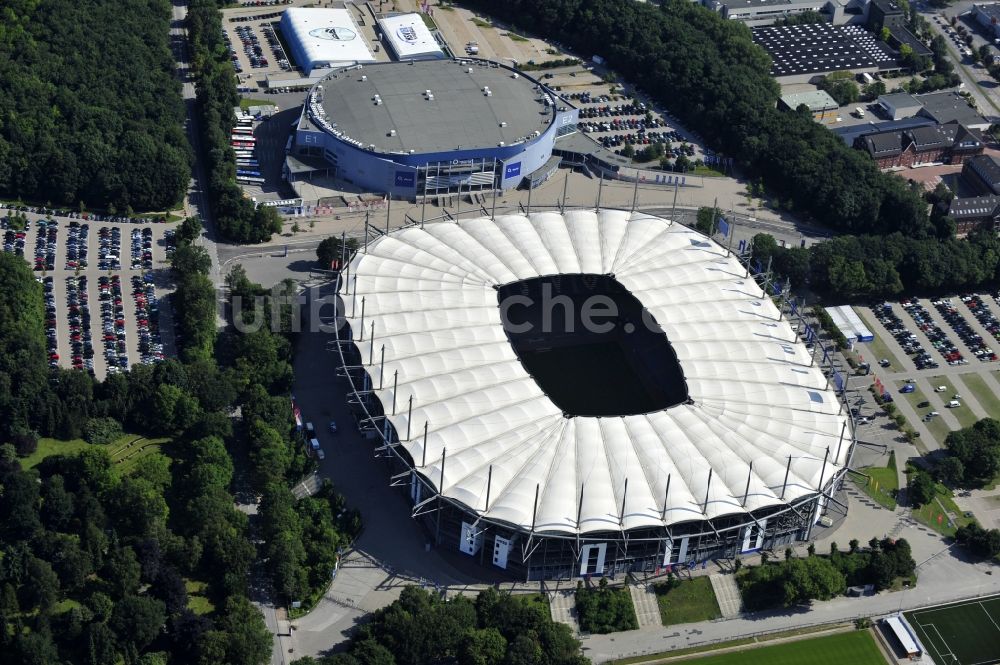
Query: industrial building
{"points": [[698, 428], [321, 38], [425, 128], [932, 144], [823, 107], [757, 13], [800, 53], [988, 16], [899, 105]]}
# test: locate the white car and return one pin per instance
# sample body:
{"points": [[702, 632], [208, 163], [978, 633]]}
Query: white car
{"points": [[941, 389], [320, 454]]}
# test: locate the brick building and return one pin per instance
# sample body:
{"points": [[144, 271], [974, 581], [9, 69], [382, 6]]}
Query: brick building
{"points": [[949, 143]]}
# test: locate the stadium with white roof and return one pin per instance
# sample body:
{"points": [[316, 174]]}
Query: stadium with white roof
{"points": [[587, 393]]}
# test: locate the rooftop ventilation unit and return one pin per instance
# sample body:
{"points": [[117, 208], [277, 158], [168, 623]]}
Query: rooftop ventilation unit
{"points": [[503, 123], [392, 132], [364, 77]]}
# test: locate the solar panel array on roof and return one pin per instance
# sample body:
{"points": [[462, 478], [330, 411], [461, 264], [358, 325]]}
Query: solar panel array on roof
{"points": [[819, 48]]}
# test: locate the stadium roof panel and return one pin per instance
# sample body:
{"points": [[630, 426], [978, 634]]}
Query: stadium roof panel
{"points": [[460, 114], [755, 396]]}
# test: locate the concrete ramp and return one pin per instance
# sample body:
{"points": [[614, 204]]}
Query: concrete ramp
{"points": [[562, 605], [647, 610]]}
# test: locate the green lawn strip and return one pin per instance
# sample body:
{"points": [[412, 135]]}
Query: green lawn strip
{"points": [[197, 602], [428, 21], [882, 484], [878, 348], [516, 37], [707, 171], [688, 601], [963, 413], [983, 394], [707, 648], [535, 599], [856, 647], [65, 605], [480, 23], [933, 516], [128, 448]]}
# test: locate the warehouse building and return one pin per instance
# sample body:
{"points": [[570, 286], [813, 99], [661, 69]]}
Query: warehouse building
{"points": [[407, 37], [323, 38]]}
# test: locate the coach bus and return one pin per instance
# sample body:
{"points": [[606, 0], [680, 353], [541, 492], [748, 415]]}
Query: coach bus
{"points": [[243, 137], [241, 172], [249, 180], [245, 131]]}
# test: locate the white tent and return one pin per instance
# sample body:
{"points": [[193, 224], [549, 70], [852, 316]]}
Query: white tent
{"points": [[755, 400], [323, 38]]}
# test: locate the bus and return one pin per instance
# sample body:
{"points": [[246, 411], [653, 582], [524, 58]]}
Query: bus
{"points": [[240, 145], [249, 180], [242, 137], [245, 131], [241, 172], [244, 154], [244, 120], [247, 162]]}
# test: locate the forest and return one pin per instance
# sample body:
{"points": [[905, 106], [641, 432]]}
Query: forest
{"points": [[90, 107], [148, 562]]}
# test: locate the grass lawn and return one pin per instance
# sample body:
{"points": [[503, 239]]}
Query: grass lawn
{"points": [[480, 23], [883, 484], [934, 517], [517, 38], [48, 447], [65, 605], [170, 217], [983, 394], [135, 448], [536, 599], [706, 171], [197, 602], [856, 647], [689, 601], [247, 103]]}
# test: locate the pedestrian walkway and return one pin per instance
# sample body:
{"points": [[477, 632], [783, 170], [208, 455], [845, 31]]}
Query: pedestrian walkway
{"points": [[562, 605], [727, 594], [647, 610]]}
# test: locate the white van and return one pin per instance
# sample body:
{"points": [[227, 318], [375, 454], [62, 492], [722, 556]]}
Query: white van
{"points": [[314, 444], [954, 404], [941, 389]]}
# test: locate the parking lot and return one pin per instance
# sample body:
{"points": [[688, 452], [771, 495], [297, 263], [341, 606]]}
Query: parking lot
{"points": [[103, 281], [940, 357]]}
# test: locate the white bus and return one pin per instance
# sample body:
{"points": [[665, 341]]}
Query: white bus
{"points": [[249, 180], [243, 131], [243, 137], [244, 154], [244, 121]]}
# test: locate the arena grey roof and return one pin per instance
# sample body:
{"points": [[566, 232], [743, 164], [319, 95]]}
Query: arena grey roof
{"points": [[460, 115], [819, 48]]}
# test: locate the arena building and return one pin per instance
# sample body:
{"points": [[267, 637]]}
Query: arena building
{"points": [[323, 38], [587, 393], [431, 127]]}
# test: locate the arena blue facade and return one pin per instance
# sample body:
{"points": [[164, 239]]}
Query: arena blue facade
{"points": [[415, 174]]}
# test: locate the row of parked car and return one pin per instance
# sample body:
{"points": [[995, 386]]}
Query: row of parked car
{"points": [[251, 46], [113, 323], [275, 44], [147, 319], [89, 216], [76, 245], [237, 67], [907, 340], [51, 334], [45, 244], [620, 111], [255, 17], [13, 238], [972, 339], [265, 3], [142, 249], [109, 248], [587, 98], [80, 342], [937, 337]]}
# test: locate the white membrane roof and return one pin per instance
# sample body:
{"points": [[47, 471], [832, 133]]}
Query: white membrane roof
{"points": [[754, 397]]}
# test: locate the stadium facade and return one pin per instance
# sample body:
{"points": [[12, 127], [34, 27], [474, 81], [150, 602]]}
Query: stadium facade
{"points": [[559, 450], [411, 129]]}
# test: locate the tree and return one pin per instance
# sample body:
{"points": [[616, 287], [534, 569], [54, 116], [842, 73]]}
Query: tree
{"points": [[628, 151], [921, 489], [331, 249], [682, 164], [138, 620], [102, 430], [25, 441], [191, 259], [188, 230], [707, 219], [249, 640], [40, 588], [950, 471]]}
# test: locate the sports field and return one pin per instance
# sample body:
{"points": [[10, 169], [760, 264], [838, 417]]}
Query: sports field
{"points": [[965, 633], [853, 648]]}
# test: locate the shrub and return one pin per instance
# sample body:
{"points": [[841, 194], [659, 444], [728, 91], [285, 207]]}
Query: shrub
{"points": [[605, 610], [102, 430], [25, 442]]}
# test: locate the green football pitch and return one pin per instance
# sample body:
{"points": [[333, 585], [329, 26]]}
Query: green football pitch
{"points": [[966, 633], [854, 648]]}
